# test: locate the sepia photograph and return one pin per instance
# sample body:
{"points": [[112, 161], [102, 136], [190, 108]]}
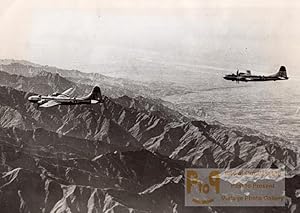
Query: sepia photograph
{"points": [[162, 106]]}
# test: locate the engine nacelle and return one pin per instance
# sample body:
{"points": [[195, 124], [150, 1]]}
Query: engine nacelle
{"points": [[56, 94], [41, 102]]}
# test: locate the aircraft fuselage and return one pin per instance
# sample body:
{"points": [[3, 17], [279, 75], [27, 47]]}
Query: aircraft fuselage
{"points": [[234, 77], [61, 100]]}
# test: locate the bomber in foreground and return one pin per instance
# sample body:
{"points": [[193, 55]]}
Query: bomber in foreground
{"points": [[64, 98], [240, 76]]}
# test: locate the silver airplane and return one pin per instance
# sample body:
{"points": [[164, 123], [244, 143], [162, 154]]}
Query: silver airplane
{"points": [[280, 75], [64, 98]]}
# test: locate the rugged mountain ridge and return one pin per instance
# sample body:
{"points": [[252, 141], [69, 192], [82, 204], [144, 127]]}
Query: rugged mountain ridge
{"points": [[45, 172], [42, 82]]}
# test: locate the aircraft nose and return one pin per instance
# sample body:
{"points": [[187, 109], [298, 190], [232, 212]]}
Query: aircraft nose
{"points": [[33, 98], [94, 101]]}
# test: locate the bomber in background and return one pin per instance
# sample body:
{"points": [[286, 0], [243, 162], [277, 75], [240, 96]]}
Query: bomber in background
{"points": [[64, 98], [240, 76]]}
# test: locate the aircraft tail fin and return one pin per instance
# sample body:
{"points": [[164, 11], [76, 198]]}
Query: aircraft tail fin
{"points": [[94, 95], [282, 72]]}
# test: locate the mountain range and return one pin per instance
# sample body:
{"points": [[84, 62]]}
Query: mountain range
{"points": [[125, 155]]}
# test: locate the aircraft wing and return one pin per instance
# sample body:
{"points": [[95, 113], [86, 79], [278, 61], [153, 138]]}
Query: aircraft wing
{"points": [[68, 92], [50, 103]]}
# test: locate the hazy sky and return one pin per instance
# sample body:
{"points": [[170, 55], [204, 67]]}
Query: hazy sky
{"points": [[128, 35]]}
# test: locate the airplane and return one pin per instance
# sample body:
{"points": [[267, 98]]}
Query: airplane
{"points": [[64, 98], [280, 75]]}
